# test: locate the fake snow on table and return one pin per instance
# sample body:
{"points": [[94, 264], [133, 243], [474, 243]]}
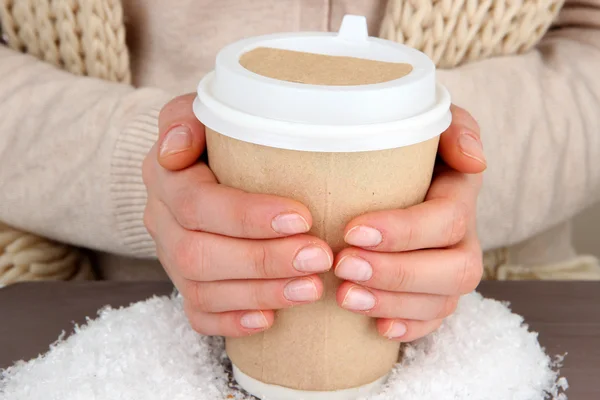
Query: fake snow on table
{"points": [[148, 351]]}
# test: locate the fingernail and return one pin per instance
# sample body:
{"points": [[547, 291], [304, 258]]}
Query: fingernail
{"points": [[301, 290], [312, 259], [354, 269], [396, 330], [289, 224], [363, 236], [178, 139], [254, 320], [358, 299], [470, 145]]}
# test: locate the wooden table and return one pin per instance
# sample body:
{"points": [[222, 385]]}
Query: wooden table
{"points": [[567, 316]]}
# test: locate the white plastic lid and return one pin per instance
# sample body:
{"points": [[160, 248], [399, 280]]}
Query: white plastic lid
{"points": [[253, 108]]}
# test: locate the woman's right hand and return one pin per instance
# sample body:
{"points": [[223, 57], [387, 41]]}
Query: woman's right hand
{"points": [[234, 256]]}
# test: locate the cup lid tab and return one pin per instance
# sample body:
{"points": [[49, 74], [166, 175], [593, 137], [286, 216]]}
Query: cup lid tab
{"points": [[354, 28]]}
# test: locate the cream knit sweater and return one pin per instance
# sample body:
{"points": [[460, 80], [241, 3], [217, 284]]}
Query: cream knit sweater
{"points": [[71, 147]]}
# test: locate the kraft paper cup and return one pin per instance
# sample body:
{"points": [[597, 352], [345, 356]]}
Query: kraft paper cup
{"points": [[367, 141]]}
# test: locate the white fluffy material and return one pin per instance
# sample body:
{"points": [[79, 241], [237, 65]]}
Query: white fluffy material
{"points": [[148, 351]]}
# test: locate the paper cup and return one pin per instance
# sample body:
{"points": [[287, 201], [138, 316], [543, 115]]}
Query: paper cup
{"points": [[363, 143]]}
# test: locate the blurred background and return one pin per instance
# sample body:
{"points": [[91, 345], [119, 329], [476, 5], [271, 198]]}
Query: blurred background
{"points": [[587, 231]]}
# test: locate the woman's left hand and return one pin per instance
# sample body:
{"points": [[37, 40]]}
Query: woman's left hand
{"points": [[409, 267]]}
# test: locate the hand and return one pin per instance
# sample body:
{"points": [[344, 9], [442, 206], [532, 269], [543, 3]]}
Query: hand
{"points": [[409, 267], [231, 254]]}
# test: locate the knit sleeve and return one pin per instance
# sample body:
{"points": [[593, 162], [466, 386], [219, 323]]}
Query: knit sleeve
{"points": [[540, 127], [71, 150]]}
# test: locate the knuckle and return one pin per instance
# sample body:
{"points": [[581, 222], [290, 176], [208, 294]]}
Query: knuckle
{"points": [[407, 236], [402, 278], [186, 208], [448, 307], [470, 272], [198, 324], [148, 220], [196, 320], [260, 263], [405, 232], [202, 298], [191, 293], [204, 261], [188, 255], [147, 170], [245, 221], [458, 226], [181, 254]]}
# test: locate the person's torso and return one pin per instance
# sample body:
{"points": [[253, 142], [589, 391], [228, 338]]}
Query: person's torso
{"points": [[172, 47]]}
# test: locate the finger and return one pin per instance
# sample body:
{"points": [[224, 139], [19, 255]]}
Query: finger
{"points": [[229, 324], [460, 145], [440, 221], [200, 256], [449, 183], [181, 136], [217, 297], [199, 203], [406, 330], [382, 304], [452, 271], [433, 224]]}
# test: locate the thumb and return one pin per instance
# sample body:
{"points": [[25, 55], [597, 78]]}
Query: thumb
{"points": [[181, 139], [460, 145]]}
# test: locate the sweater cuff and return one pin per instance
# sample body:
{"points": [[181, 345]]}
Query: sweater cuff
{"points": [[128, 191]]}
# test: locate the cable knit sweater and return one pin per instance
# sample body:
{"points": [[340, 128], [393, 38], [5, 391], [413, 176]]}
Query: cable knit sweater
{"points": [[71, 146]]}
